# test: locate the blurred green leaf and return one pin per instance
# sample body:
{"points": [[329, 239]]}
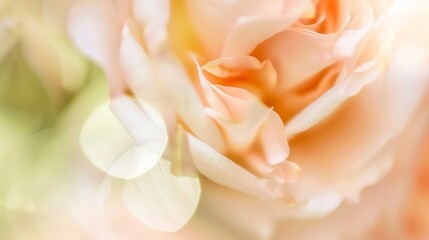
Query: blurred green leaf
{"points": [[24, 99]]}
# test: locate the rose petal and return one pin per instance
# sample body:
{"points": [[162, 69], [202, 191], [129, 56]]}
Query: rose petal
{"points": [[185, 101], [137, 66], [179, 154], [229, 22], [333, 98], [245, 72], [161, 200], [219, 18], [407, 81], [353, 164], [222, 170], [239, 113], [274, 140], [111, 148], [256, 29], [313, 55], [154, 15]]}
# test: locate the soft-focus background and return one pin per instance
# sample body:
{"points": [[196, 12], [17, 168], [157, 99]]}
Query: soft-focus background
{"points": [[47, 90]]}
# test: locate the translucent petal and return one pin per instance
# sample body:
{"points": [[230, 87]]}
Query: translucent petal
{"points": [[111, 148], [161, 200]]}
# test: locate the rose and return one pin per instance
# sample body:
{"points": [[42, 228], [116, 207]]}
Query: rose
{"points": [[334, 97]]}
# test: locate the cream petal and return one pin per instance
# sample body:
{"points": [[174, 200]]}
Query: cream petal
{"points": [[179, 155], [142, 121], [125, 146], [407, 81], [320, 205], [348, 42], [95, 27], [147, 76], [222, 170], [161, 200], [137, 66], [154, 15], [93, 30], [112, 220]]}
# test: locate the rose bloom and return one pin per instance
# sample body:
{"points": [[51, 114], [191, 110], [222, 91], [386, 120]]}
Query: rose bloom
{"points": [[292, 119]]}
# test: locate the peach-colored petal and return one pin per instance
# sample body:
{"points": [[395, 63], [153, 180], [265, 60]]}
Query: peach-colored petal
{"points": [[237, 63], [328, 102], [361, 218], [238, 112], [374, 217], [256, 29], [296, 64], [273, 140], [230, 21], [367, 212], [246, 121], [416, 216], [161, 200], [357, 163], [243, 72]]}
